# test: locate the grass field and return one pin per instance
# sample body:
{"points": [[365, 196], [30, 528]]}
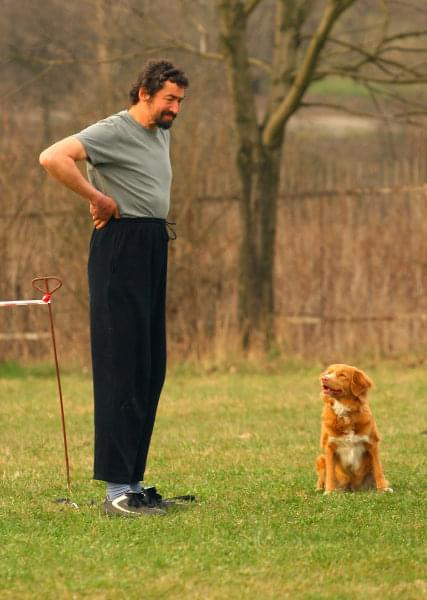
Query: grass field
{"points": [[244, 441]]}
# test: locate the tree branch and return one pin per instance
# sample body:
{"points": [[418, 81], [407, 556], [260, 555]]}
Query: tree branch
{"points": [[250, 6], [174, 45], [398, 97], [255, 62], [373, 58], [27, 82], [403, 49], [234, 45], [404, 35], [302, 79]]}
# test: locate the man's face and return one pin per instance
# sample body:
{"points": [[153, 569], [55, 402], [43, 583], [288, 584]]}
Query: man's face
{"points": [[166, 104]]}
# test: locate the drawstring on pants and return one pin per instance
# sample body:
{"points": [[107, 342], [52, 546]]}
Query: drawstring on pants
{"points": [[170, 230]]}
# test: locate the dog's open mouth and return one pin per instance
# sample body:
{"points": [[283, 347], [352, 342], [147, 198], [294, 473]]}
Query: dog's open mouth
{"points": [[331, 391]]}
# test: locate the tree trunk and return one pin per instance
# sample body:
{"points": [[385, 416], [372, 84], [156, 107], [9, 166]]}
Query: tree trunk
{"points": [[258, 167], [102, 22], [256, 273], [259, 145]]}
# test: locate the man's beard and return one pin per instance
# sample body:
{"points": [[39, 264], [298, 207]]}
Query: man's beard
{"points": [[162, 123]]}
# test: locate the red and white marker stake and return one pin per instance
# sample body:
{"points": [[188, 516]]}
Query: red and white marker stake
{"points": [[47, 300], [23, 302]]}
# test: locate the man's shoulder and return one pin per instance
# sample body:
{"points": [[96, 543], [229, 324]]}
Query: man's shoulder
{"points": [[116, 120], [119, 117], [103, 131]]}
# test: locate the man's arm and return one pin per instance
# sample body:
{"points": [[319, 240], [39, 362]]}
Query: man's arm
{"points": [[59, 160]]}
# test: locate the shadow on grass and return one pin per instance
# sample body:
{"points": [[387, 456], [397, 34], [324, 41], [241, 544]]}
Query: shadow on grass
{"points": [[15, 370]]}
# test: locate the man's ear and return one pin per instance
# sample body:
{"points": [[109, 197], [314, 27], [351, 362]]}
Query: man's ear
{"points": [[360, 383], [143, 94]]}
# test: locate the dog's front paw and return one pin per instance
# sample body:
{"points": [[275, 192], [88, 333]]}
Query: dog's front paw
{"points": [[328, 492], [386, 490]]}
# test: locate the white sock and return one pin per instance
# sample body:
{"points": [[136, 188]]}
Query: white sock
{"points": [[114, 490], [136, 487]]}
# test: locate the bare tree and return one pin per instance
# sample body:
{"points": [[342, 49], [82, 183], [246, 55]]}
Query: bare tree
{"points": [[304, 50], [274, 52]]}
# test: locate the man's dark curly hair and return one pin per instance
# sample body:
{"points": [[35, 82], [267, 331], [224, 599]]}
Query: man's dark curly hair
{"points": [[153, 77]]}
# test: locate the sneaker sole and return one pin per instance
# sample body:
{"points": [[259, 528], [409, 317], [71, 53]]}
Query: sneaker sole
{"points": [[133, 514], [117, 511]]}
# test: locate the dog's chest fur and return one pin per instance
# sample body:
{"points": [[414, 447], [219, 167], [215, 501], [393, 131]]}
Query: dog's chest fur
{"points": [[350, 446]]}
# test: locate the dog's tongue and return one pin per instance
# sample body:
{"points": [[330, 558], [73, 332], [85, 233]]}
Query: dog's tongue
{"points": [[329, 390]]}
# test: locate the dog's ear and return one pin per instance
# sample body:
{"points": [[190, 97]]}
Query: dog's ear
{"points": [[360, 383]]}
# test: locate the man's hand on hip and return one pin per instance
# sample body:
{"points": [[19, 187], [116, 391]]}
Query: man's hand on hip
{"points": [[103, 208]]}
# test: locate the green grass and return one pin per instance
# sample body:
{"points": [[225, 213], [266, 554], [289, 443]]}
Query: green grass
{"points": [[339, 87], [244, 442], [345, 88]]}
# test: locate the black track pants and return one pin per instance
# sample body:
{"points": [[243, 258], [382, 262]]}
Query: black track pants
{"points": [[127, 284]]}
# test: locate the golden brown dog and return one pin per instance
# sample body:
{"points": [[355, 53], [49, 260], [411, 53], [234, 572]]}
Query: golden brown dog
{"points": [[349, 436]]}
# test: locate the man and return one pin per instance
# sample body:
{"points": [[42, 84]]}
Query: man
{"points": [[128, 189]]}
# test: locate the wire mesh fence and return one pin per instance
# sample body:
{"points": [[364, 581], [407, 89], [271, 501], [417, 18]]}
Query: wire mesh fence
{"points": [[350, 276]]}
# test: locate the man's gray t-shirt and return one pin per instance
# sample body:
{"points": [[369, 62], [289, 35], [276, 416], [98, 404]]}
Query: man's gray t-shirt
{"points": [[130, 163]]}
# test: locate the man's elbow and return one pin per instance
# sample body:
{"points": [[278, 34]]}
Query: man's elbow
{"points": [[61, 154], [45, 159], [51, 160]]}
